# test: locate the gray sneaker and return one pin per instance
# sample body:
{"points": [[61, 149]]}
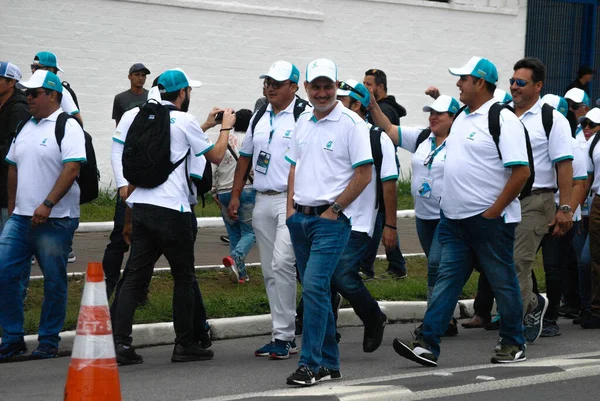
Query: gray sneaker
{"points": [[510, 354], [533, 320], [550, 329]]}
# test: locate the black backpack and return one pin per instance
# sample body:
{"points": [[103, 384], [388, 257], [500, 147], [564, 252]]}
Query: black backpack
{"points": [[67, 86], [377, 152], [593, 145], [422, 136], [494, 127], [89, 175], [204, 185], [147, 150]]}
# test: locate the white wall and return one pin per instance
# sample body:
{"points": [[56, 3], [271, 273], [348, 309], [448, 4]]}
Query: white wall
{"points": [[228, 44]]}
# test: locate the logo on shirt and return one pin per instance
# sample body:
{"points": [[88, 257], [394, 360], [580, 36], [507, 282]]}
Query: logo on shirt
{"points": [[471, 136], [329, 146], [288, 134], [173, 120], [44, 142]]}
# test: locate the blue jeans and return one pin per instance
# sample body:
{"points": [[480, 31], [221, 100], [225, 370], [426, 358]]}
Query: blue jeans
{"points": [[50, 243], [241, 234], [318, 245], [581, 244], [396, 262], [348, 282], [491, 241], [428, 237]]}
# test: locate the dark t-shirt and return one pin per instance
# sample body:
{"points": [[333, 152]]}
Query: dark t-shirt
{"points": [[126, 101]]}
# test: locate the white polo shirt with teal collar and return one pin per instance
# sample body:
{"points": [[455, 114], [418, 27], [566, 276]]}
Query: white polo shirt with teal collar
{"points": [[427, 178], [270, 142], [475, 175], [40, 162], [325, 153]]}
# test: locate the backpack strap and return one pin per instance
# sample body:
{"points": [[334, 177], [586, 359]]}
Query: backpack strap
{"points": [[59, 128], [593, 145], [67, 86], [299, 108], [257, 116], [460, 111], [494, 124], [547, 119], [422, 137], [375, 137]]}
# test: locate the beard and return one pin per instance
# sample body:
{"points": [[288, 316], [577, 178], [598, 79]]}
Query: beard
{"points": [[329, 105], [185, 105]]}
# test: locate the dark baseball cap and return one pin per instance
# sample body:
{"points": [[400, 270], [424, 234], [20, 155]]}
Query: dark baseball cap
{"points": [[138, 67]]}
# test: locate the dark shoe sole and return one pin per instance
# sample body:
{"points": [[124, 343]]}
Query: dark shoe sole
{"points": [[125, 362], [407, 353], [13, 354], [191, 358]]}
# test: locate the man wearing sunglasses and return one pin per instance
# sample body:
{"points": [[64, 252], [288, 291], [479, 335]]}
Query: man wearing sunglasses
{"points": [[43, 205], [579, 102], [266, 143], [13, 110]]}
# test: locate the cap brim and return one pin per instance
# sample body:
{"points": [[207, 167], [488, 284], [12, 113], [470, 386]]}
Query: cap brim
{"points": [[147, 71], [580, 119], [342, 93], [194, 83], [459, 72], [29, 84]]}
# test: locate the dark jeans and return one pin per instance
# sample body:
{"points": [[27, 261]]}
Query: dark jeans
{"points": [[396, 262], [581, 243], [348, 282], [484, 299], [557, 254], [156, 231], [429, 239], [491, 242], [116, 248]]}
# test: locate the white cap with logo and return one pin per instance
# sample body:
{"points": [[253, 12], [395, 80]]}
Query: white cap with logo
{"points": [[321, 67]]}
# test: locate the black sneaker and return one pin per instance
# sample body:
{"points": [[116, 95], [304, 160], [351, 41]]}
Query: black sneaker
{"points": [[366, 276], [593, 322], [550, 329], [204, 339], [417, 351], [44, 351], [583, 315], [126, 355], [452, 329], [329, 374], [509, 354], [224, 238], [373, 336], [298, 330], [11, 350], [303, 376], [192, 352], [397, 274], [568, 311], [533, 320]]}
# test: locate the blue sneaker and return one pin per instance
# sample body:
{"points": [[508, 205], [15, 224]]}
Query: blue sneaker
{"points": [[533, 320], [45, 351], [265, 350], [12, 350], [280, 350]]}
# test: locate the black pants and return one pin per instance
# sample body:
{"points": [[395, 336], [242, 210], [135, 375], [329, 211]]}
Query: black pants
{"points": [[160, 231], [116, 248]]}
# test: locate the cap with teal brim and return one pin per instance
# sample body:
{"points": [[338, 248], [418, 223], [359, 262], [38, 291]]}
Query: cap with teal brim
{"points": [[478, 67], [355, 90], [443, 104], [558, 102]]}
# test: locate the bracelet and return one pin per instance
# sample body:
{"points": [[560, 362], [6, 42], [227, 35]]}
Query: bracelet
{"points": [[392, 227], [225, 129]]}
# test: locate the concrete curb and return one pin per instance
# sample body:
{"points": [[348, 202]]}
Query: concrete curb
{"points": [[203, 222], [247, 326]]}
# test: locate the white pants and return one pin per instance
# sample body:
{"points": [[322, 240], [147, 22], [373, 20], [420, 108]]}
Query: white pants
{"points": [[277, 261]]}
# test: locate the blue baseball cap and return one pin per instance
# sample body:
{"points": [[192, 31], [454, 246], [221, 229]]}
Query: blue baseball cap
{"points": [[42, 79], [47, 59], [443, 104], [355, 90], [175, 79], [9, 70], [282, 71], [558, 102], [478, 67]]}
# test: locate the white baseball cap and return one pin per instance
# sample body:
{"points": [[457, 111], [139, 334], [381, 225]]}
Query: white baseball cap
{"points": [[558, 102], [478, 67], [578, 96], [42, 79], [282, 71], [502, 96], [443, 104], [9, 70], [593, 115], [321, 67]]}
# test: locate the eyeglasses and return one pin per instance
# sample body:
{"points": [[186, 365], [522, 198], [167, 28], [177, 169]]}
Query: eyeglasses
{"points": [[275, 84], [34, 93], [588, 123], [521, 83], [345, 87]]}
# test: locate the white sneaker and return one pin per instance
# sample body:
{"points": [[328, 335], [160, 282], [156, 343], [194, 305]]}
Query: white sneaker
{"points": [[72, 258]]}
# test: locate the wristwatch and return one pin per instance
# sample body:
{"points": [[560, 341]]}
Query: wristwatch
{"points": [[337, 209], [565, 208], [48, 203]]}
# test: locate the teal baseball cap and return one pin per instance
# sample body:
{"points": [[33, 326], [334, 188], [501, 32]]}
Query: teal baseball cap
{"points": [[175, 79], [355, 90], [47, 59], [558, 102], [282, 71], [502, 96], [443, 104], [478, 67], [42, 79]]}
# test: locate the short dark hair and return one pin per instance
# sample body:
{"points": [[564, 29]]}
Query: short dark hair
{"points": [[538, 69], [491, 88], [58, 94], [363, 109], [585, 70], [380, 77], [242, 120], [168, 96]]}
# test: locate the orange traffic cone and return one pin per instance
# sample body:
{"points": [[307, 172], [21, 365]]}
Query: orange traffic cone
{"points": [[93, 373]]}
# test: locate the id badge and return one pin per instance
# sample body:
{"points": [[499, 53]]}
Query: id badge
{"points": [[425, 187], [262, 163]]}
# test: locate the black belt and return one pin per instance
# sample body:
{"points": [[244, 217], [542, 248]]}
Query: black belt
{"points": [[270, 192], [539, 191], [311, 210]]}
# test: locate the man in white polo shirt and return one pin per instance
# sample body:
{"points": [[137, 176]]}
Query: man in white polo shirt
{"points": [[161, 223], [265, 147], [43, 205], [579, 102], [331, 164], [379, 194], [479, 214]]}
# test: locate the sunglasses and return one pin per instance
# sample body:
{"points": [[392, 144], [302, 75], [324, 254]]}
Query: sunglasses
{"points": [[275, 84], [345, 87], [575, 106], [588, 123], [35, 67], [34, 93], [521, 83]]}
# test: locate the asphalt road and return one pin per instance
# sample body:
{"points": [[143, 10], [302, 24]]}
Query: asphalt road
{"points": [[565, 367], [89, 247]]}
